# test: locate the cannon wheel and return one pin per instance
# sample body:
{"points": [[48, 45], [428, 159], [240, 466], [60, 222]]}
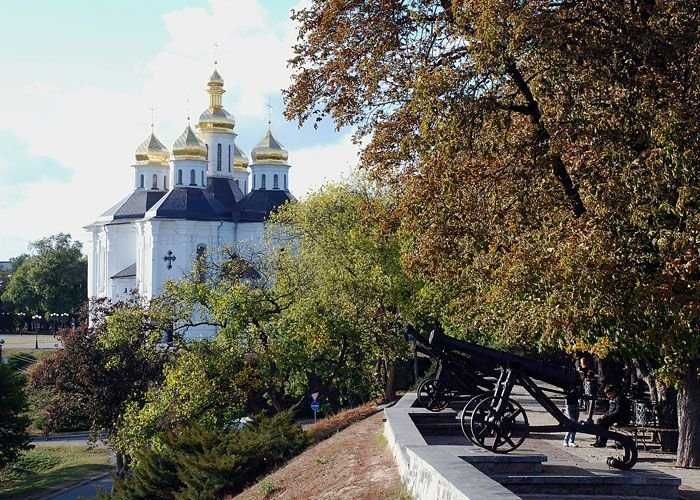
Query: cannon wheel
{"points": [[499, 431], [431, 396], [466, 418]]}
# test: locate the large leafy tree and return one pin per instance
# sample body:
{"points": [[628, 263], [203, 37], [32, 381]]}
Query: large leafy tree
{"points": [[53, 278], [544, 160], [13, 423], [104, 368]]}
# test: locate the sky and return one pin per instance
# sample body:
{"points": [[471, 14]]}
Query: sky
{"points": [[80, 78]]}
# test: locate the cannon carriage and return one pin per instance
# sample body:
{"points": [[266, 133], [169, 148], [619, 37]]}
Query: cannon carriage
{"points": [[457, 377], [492, 418]]}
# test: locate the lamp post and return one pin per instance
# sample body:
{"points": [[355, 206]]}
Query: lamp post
{"points": [[2, 341]]}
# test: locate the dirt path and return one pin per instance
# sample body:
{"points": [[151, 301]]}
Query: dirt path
{"points": [[354, 464]]}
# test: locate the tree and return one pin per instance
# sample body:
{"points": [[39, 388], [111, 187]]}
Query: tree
{"points": [[544, 161], [104, 368], [14, 438], [53, 278]]}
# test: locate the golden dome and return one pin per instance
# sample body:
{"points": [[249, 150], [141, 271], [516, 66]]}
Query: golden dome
{"points": [[239, 158], [215, 117], [269, 150], [189, 146], [152, 151]]}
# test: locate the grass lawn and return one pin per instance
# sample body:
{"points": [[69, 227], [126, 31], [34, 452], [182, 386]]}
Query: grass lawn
{"points": [[49, 466], [7, 352]]}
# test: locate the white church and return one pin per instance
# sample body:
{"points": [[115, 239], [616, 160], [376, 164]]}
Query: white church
{"points": [[200, 196]]}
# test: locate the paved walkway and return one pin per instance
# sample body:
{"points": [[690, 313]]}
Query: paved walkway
{"points": [[587, 457], [84, 491], [27, 341]]}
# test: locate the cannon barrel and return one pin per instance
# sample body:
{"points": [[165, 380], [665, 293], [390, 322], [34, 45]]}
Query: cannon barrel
{"points": [[559, 376]]}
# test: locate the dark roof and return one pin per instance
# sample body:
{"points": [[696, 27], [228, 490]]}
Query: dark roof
{"points": [[135, 205], [129, 272], [259, 203], [190, 203], [226, 192]]}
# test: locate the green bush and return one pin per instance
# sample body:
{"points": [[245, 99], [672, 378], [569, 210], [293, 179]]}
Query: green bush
{"points": [[197, 463]]}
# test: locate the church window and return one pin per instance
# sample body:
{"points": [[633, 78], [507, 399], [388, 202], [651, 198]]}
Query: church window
{"points": [[142, 181], [285, 182], [275, 182], [193, 178], [207, 145], [229, 158], [200, 262], [245, 187], [165, 183], [179, 176], [202, 178], [155, 182], [254, 180], [263, 182], [218, 157], [238, 184]]}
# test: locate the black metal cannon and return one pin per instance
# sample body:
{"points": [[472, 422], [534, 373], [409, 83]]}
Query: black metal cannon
{"points": [[495, 421], [456, 377]]}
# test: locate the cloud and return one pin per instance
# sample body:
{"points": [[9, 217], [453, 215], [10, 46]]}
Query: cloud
{"points": [[314, 166]]}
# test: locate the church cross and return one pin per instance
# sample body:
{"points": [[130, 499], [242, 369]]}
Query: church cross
{"points": [[269, 113], [153, 117], [170, 258]]}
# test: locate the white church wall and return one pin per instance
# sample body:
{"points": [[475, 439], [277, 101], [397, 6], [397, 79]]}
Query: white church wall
{"points": [[227, 141], [154, 177], [120, 248]]}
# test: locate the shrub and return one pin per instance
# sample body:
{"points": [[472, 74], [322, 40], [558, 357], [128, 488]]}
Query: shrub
{"points": [[196, 462], [13, 423]]}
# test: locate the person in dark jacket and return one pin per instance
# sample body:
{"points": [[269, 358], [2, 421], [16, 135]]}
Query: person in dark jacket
{"points": [[618, 413]]}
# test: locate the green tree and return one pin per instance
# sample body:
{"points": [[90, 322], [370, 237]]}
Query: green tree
{"points": [[14, 438], [53, 278], [544, 161]]}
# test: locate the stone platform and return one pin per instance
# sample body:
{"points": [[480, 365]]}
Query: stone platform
{"points": [[437, 462]]}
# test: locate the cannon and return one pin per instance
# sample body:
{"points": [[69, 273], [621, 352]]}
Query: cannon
{"points": [[495, 421], [455, 378]]}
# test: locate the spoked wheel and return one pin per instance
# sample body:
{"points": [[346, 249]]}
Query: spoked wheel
{"points": [[499, 430], [431, 395], [466, 417]]}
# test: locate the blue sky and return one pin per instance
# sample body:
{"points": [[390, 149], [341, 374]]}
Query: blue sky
{"points": [[80, 77]]}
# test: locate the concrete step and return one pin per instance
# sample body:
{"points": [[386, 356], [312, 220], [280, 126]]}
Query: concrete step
{"points": [[440, 429], [558, 480], [501, 464], [584, 497]]}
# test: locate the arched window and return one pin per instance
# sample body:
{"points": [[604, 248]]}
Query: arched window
{"points": [[245, 186], [200, 263], [143, 181], [238, 184], [202, 178], [218, 157], [207, 145], [276, 182], [285, 182], [229, 158], [179, 177], [165, 183], [254, 181], [155, 182], [193, 178], [263, 182]]}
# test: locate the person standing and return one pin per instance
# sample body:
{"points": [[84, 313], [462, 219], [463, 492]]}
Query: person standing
{"points": [[572, 411]]}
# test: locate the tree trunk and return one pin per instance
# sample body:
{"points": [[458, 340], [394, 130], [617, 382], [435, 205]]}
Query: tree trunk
{"points": [[390, 386], [689, 419]]}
